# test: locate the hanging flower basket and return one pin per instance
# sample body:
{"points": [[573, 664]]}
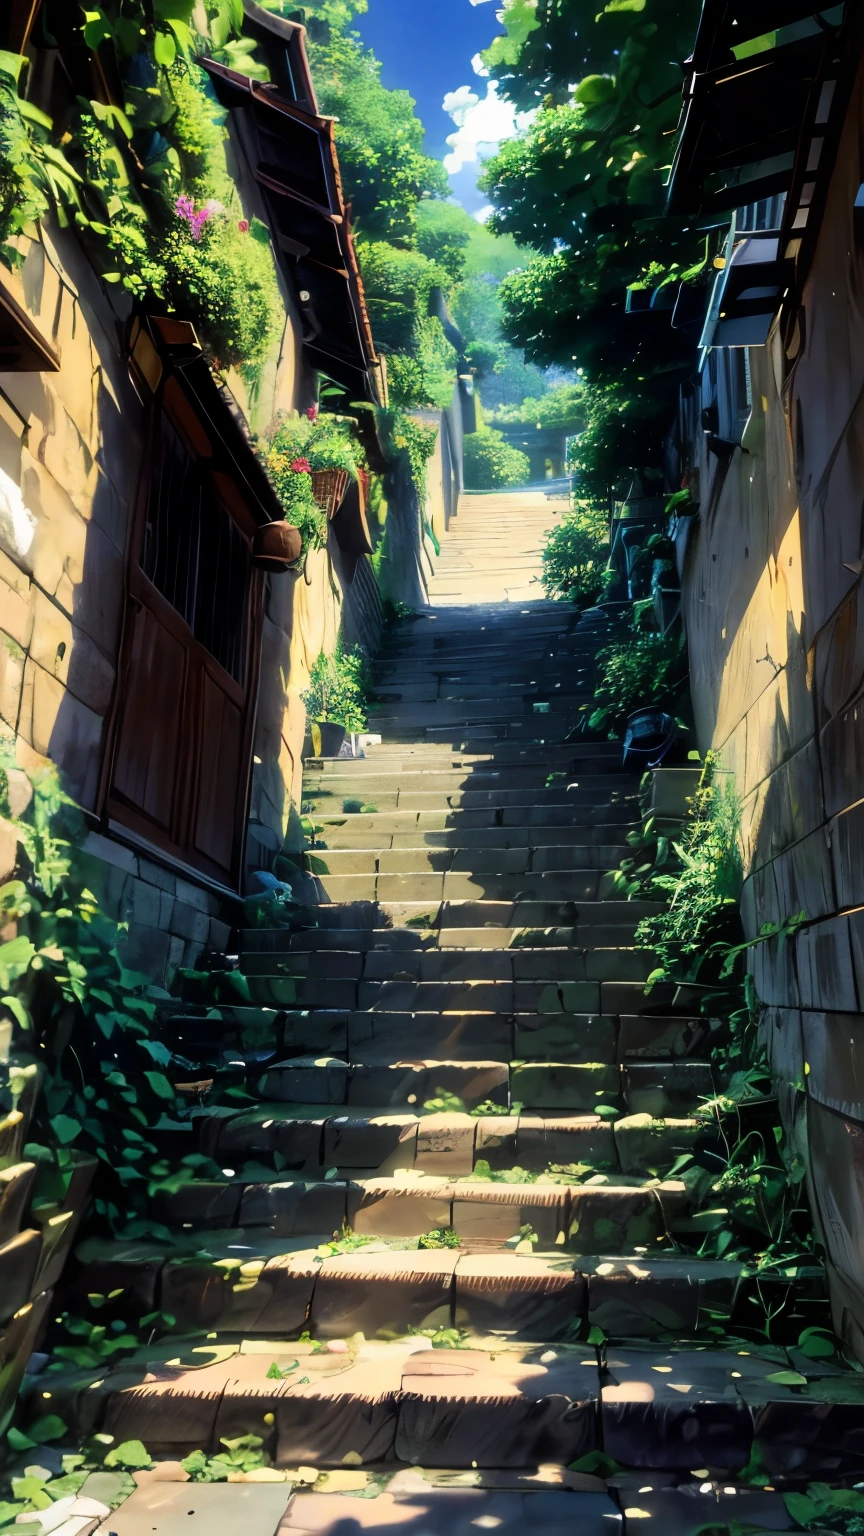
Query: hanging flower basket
{"points": [[276, 547], [328, 488]]}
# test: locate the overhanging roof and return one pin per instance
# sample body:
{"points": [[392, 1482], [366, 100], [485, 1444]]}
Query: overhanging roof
{"points": [[293, 159], [749, 85]]}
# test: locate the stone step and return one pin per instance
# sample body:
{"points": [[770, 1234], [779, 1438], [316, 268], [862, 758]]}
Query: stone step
{"points": [[665, 1056], [514, 1404], [313, 1138], [452, 792], [481, 913], [381, 1060], [518, 824], [425, 885], [595, 936], [340, 834], [521, 964], [382, 1289], [490, 995], [568, 857], [578, 1217]]}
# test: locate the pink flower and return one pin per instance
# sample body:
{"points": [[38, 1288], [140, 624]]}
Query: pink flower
{"points": [[312, 413], [197, 222], [301, 466], [243, 226], [185, 209]]}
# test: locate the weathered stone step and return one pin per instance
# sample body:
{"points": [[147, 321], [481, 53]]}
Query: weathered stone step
{"points": [[462, 884], [311, 1138], [581, 1218], [516, 1405], [471, 861], [588, 1075], [389, 963], [453, 792], [335, 820], [384, 1289], [596, 936], [493, 995], [339, 835], [480, 914]]}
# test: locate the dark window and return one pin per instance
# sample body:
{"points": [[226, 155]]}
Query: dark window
{"points": [[194, 554]]}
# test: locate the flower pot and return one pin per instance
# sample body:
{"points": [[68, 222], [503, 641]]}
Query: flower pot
{"points": [[276, 547], [649, 736], [328, 488], [324, 738]]}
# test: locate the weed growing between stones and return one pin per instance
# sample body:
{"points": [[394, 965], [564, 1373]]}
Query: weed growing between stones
{"points": [[747, 1175]]}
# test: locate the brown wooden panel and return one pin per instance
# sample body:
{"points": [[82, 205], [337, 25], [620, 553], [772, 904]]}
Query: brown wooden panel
{"points": [[219, 773], [151, 725]]}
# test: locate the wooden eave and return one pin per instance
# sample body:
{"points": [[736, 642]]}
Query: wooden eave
{"points": [[297, 169], [740, 129]]}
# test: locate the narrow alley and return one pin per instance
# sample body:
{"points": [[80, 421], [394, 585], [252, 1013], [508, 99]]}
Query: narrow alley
{"points": [[474, 1268]]}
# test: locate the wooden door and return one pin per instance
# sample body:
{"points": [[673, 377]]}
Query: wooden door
{"points": [[180, 760]]}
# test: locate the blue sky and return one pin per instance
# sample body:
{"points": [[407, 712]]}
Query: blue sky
{"points": [[428, 50]]}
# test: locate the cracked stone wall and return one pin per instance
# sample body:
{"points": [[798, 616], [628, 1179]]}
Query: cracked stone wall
{"points": [[774, 612]]}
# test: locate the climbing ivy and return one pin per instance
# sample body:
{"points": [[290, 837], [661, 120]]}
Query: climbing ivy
{"points": [[87, 1020]]}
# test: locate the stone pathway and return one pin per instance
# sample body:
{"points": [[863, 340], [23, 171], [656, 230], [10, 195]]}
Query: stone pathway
{"points": [[466, 1087]]}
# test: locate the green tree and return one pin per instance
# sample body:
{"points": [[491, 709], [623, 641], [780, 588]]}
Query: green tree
{"points": [[585, 185], [491, 464], [379, 138]]}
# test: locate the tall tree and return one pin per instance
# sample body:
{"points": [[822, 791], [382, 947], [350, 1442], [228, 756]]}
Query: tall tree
{"points": [[585, 186]]}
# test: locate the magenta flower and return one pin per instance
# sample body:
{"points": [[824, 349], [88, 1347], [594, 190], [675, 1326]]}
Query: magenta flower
{"points": [[185, 209], [243, 226], [301, 466], [312, 413]]}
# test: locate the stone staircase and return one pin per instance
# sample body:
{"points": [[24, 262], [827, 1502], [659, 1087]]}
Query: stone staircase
{"points": [[445, 1246]]}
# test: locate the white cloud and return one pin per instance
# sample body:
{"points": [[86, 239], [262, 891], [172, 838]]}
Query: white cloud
{"points": [[482, 214], [482, 123]]}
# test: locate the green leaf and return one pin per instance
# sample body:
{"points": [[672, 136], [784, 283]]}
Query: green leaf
{"points": [[18, 1442], [160, 1085], [49, 1427], [259, 231], [595, 90], [11, 64], [131, 1455], [15, 957], [787, 1379], [66, 1128], [164, 49], [816, 1344], [802, 1509]]}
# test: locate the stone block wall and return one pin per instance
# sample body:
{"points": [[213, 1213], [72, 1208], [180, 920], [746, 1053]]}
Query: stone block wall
{"points": [[774, 614]]}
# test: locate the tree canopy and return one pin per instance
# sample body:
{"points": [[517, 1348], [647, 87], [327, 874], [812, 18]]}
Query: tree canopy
{"points": [[585, 186]]}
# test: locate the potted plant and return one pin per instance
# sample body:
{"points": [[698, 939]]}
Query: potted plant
{"points": [[335, 700], [326, 445]]}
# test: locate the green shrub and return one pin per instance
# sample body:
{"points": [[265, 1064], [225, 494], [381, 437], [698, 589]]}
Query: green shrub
{"points": [[425, 378], [398, 286], [338, 689], [491, 464], [562, 407], [704, 889], [575, 555], [639, 669], [226, 285]]}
